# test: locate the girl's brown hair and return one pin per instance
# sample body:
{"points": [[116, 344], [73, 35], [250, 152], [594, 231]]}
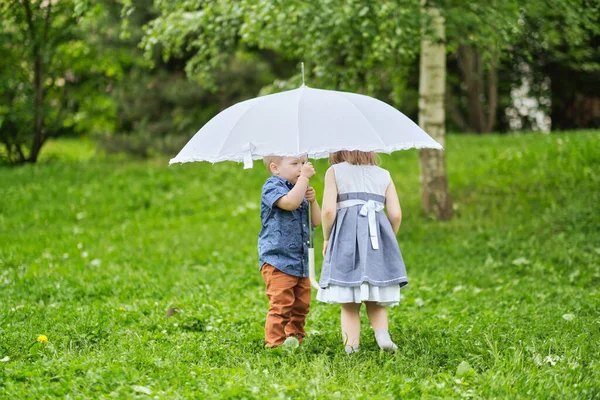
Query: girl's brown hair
{"points": [[354, 157]]}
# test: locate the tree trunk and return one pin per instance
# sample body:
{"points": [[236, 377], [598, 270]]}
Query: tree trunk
{"points": [[38, 89], [469, 63], [455, 112], [492, 95], [432, 84], [39, 44], [472, 69]]}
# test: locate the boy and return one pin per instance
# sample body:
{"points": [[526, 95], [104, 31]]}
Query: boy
{"points": [[283, 246]]}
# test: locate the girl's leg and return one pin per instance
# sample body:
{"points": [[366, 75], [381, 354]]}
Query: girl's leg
{"points": [[379, 321], [351, 326], [377, 315]]}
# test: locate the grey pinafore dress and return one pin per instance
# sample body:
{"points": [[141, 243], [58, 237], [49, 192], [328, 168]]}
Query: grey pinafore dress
{"points": [[363, 260]]}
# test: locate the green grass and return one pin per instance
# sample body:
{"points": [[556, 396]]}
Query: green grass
{"points": [[93, 253]]}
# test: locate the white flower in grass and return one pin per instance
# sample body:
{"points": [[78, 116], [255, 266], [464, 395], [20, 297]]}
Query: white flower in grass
{"points": [[141, 389], [568, 317], [574, 365], [84, 254], [520, 261], [552, 359], [95, 262], [5, 359], [419, 302]]}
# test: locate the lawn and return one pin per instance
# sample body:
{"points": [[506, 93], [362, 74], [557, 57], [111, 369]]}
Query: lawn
{"points": [[96, 252]]}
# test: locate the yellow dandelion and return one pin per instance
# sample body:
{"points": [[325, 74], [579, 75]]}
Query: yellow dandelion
{"points": [[42, 339], [121, 308]]}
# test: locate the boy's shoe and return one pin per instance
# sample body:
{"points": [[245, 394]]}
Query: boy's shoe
{"points": [[291, 343]]}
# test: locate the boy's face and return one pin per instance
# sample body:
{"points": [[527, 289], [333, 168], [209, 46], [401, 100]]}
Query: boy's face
{"points": [[289, 168]]}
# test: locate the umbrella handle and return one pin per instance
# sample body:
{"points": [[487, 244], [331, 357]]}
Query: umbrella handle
{"points": [[311, 269], [311, 253]]}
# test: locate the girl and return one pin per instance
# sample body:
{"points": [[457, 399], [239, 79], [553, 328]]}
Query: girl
{"points": [[362, 261]]}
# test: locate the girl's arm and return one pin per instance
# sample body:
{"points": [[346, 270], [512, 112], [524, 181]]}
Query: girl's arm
{"points": [[315, 213], [329, 205], [392, 204]]}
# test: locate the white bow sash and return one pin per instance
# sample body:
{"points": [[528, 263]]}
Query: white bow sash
{"points": [[369, 209]]}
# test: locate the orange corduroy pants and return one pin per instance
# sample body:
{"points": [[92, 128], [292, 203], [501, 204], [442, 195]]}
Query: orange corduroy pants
{"points": [[289, 302]]}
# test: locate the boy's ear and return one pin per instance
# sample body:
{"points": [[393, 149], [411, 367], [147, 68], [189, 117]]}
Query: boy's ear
{"points": [[273, 168]]}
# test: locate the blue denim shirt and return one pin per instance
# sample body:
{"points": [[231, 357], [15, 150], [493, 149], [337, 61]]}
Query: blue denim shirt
{"points": [[283, 239]]}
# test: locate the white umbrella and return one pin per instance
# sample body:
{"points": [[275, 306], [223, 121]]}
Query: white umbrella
{"points": [[307, 121]]}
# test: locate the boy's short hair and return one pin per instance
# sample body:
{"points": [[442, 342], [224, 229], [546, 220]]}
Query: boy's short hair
{"points": [[271, 159]]}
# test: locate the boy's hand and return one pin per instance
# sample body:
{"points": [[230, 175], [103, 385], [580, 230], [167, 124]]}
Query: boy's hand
{"points": [[308, 171], [310, 194]]}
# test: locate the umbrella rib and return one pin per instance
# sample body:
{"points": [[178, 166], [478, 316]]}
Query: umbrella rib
{"points": [[298, 121], [234, 126], [363, 115]]}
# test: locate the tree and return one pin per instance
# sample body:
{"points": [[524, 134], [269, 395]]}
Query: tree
{"points": [[30, 32], [558, 56], [432, 84], [479, 35], [345, 45], [497, 44], [51, 78]]}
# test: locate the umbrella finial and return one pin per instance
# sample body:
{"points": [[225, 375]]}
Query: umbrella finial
{"points": [[302, 65]]}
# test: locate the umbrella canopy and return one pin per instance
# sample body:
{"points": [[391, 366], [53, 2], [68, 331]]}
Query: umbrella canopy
{"points": [[304, 121]]}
